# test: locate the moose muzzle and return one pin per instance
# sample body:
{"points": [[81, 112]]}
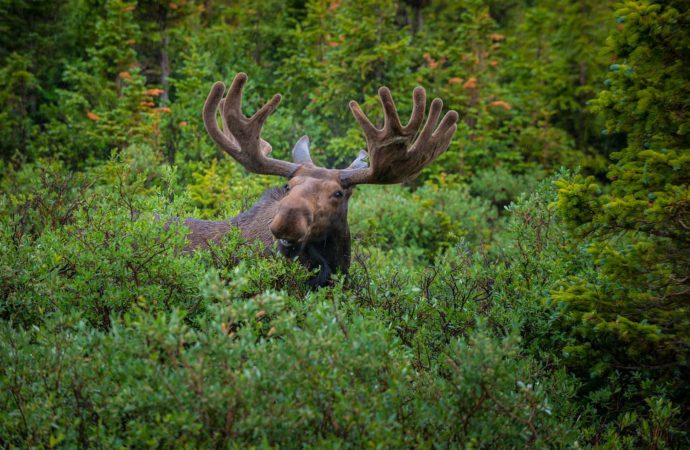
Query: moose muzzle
{"points": [[292, 223]]}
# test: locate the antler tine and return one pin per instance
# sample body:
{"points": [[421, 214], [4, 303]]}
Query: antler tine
{"points": [[241, 135], [266, 148], [418, 109], [393, 155], [209, 114]]}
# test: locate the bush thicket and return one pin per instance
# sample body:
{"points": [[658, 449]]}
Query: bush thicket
{"points": [[529, 290]]}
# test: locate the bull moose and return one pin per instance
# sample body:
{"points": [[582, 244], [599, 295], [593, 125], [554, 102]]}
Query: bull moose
{"points": [[307, 217]]}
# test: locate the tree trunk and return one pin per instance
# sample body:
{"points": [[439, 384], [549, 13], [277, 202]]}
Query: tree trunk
{"points": [[165, 69]]}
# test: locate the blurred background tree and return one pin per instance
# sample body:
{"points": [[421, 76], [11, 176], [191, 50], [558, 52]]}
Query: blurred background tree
{"points": [[520, 73]]}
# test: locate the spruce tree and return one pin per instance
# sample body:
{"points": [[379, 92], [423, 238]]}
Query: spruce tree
{"points": [[630, 314]]}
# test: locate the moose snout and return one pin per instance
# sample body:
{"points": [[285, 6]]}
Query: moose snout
{"points": [[292, 224]]}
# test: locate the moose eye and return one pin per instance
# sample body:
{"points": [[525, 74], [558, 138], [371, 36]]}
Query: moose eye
{"points": [[338, 194]]}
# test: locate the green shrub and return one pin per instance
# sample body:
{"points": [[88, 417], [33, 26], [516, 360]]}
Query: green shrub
{"points": [[502, 187], [89, 252], [426, 220], [508, 283], [255, 373], [223, 190], [111, 336]]}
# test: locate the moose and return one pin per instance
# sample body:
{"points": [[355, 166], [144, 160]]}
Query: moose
{"points": [[306, 218]]}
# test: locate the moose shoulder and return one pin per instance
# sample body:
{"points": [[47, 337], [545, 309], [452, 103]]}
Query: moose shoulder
{"points": [[307, 216]]}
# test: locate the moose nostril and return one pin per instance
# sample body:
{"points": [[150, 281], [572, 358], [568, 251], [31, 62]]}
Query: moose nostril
{"points": [[309, 216], [276, 226]]}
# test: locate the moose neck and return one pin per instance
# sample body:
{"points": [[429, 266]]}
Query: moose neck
{"points": [[255, 221]]}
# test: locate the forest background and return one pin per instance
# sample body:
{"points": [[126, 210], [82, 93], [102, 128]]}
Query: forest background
{"points": [[530, 289]]}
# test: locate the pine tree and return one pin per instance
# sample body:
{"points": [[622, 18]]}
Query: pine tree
{"points": [[105, 105], [33, 42], [463, 55], [555, 64], [345, 50], [631, 313]]}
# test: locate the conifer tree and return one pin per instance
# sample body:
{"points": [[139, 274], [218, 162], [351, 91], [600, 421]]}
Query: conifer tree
{"points": [[631, 313], [346, 50], [106, 105], [555, 66]]}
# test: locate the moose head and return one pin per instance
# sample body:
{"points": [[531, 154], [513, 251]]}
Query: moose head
{"points": [[307, 217]]}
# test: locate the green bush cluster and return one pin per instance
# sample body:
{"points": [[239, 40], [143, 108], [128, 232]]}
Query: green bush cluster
{"points": [[425, 221], [112, 336], [529, 290], [256, 373]]}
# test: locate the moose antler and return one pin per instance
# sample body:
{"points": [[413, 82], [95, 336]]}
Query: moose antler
{"points": [[393, 155], [241, 135]]}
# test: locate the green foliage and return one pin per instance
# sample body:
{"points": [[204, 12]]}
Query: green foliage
{"points": [[630, 312], [112, 336], [17, 83], [162, 57], [496, 302], [554, 49], [311, 380], [429, 219], [502, 187], [72, 248], [223, 191]]}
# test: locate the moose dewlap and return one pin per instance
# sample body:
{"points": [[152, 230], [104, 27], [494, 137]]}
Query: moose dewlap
{"points": [[308, 215]]}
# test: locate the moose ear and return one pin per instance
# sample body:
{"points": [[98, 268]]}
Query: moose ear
{"points": [[359, 162], [300, 152]]}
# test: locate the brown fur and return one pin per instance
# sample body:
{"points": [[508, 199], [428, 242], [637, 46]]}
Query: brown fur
{"points": [[308, 198]]}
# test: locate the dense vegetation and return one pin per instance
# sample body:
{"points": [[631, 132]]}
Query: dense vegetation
{"points": [[530, 289]]}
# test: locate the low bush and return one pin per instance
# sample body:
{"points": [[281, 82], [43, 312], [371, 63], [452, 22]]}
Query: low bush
{"points": [[258, 373], [427, 220], [445, 331], [501, 187]]}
